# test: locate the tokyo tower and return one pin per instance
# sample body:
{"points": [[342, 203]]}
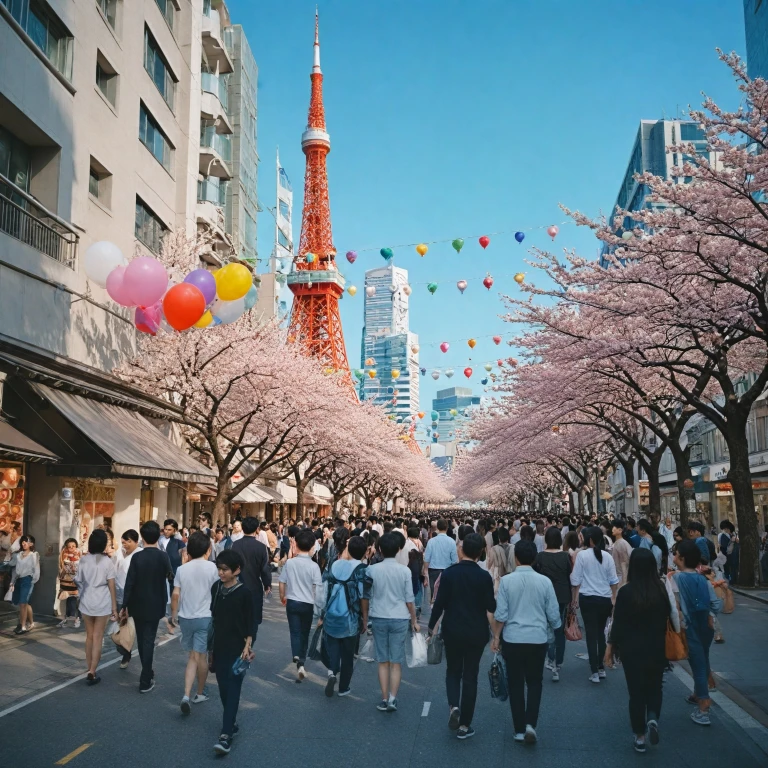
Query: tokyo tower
{"points": [[315, 281]]}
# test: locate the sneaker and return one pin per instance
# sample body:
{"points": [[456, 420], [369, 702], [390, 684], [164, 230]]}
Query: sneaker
{"points": [[330, 685], [700, 718], [185, 708], [223, 745], [530, 734], [382, 706], [601, 674], [345, 693], [302, 672], [296, 660], [392, 704], [639, 745], [549, 664], [18, 630], [519, 737], [453, 720], [653, 732], [124, 663], [465, 732], [199, 698], [556, 675], [594, 678], [691, 699], [62, 623], [148, 688], [31, 626], [77, 623]]}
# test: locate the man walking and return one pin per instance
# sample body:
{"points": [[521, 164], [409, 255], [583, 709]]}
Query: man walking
{"points": [[144, 598], [439, 555], [255, 574], [172, 543], [526, 611], [130, 544]]}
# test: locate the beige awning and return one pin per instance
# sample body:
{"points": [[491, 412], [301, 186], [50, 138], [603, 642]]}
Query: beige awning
{"points": [[287, 493], [134, 447], [18, 447]]}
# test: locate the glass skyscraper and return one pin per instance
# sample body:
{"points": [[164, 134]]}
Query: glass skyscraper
{"points": [[756, 33], [459, 399]]}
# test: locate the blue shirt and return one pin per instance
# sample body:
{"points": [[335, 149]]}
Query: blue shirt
{"points": [[527, 605], [441, 552]]}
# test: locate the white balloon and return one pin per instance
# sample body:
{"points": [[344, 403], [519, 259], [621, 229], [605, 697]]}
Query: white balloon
{"points": [[228, 311], [370, 291], [435, 375], [100, 259], [449, 372], [407, 289]]}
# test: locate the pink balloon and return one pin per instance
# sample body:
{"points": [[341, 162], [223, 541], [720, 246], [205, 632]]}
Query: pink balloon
{"points": [[116, 287], [145, 281], [147, 319], [552, 231], [444, 346]]}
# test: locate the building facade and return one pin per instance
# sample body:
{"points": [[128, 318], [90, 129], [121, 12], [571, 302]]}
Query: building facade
{"points": [[119, 121], [388, 341], [756, 33]]}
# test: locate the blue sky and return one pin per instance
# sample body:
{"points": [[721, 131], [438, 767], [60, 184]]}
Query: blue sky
{"points": [[451, 118]]}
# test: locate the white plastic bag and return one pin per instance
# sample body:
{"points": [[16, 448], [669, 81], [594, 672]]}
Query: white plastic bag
{"points": [[8, 595], [368, 651], [416, 650]]}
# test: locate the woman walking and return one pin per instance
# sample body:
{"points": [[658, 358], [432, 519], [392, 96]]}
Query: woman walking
{"points": [[638, 637], [25, 577], [556, 566], [96, 581], [698, 604], [594, 583], [68, 561]]}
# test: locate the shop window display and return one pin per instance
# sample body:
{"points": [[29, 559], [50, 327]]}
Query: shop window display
{"points": [[11, 496], [94, 506]]}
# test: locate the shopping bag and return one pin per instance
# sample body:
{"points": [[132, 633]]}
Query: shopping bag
{"points": [[572, 628], [111, 628], [728, 602], [675, 645], [9, 595], [125, 635], [313, 652], [416, 650], [368, 651], [435, 650], [497, 677], [608, 625]]}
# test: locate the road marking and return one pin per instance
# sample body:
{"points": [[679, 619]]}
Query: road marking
{"points": [[72, 755], [55, 688], [425, 708]]}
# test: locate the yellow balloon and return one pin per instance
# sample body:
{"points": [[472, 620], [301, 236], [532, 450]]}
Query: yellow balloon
{"points": [[232, 282], [351, 290], [372, 373], [395, 373], [519, 278], [471, 343], [205, 320], [421, 249]]}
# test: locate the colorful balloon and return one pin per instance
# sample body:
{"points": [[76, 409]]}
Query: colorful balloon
{"points": [[488, 367], [484, 241], [626, 235], [359, 373], [352, 290], [449, 373], [467, 372], [423, 371], [421, 249], [183, 306], [145, 281], [457, 244], [519, 278], [370, 291], [432, 287], [434, 415], [351, 257], [488, 282], [205, 320], [147, 319], [500, 363], [227, 311], [453, 412], [372, 373], [395, 374], [552, 231], [310, 258], [497, 340], [519, 236], [415, 349], [407, 289], [472, 343], [233, 281], [386, 253], [420, 414], [484, 381], [444, 346], [435, 375], [462, 285], [512, 362], [116, 288], [251, 298], [100, 259], [205, 281], [370, 361]]}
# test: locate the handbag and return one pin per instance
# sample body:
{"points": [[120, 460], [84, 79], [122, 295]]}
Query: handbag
{"points": [[497, 677], [211, 633], [728, 602], [125, 635], [435, 650], [313, 652], [675, 643], [572, 628]]}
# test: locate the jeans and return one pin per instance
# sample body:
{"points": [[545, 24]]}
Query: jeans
{"points": [[146, 631], [525, 667], [462, 667], [229, 690], [71, 612], [341, 651], [434, 574], [644, 681], [299, 625], [556, 650], [595, 612], [699, 635]]}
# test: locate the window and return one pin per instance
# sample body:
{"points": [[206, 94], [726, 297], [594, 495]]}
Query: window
{"points": [[149, 228], [168, 9], [106, 79], [158, 69], [109, 9], [15, 162], [283, 240], [691, 132], [285, 211], [154, 139], [100, 183]]}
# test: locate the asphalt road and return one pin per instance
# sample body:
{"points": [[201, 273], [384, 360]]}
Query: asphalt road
{"points": [[283, 722]]}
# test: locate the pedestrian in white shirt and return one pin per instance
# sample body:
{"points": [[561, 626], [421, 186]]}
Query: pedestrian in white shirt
{"points": [[129, 542], [237, 531]]}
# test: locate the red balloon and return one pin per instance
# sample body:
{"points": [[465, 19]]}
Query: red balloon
{"points": [[497, 340], [484, 241], [467, 372], [488, 282], [500, 363], [183, 305]]}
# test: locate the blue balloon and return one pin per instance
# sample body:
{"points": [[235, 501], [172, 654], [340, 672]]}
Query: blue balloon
{"points": [[251, 297], [484, 381], [519, 236]]}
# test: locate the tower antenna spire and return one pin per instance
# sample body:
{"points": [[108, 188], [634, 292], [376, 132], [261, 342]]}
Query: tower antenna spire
{"points": [[316, 67]]}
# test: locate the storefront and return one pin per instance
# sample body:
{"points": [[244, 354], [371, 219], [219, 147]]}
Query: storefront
{"points": [[670, 505]]}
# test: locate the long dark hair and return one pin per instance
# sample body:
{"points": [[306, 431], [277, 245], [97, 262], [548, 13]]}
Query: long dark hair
{"points": [[647, 589], [595, 535]]}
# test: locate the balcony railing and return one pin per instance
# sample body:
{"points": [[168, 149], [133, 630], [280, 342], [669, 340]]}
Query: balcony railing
{"points": [[212, 190], [23, 218], [217, 85], [220, 142]]}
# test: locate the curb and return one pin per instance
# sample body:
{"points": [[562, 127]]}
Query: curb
{"points": [[745, 593]]}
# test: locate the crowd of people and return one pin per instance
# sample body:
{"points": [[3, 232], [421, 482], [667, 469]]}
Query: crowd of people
{"points": [[514, 580]]}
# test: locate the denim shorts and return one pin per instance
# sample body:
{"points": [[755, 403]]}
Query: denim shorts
{"points": [[194, 634], [389, 637], [22, 590]]}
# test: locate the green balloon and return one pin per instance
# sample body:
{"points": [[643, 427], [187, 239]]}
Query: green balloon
{"points": [[386, 253], [432, 287], [359, 373], [458, 244]]}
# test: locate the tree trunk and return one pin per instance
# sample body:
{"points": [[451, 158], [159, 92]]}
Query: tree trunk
{"points": [[301, 484], [654, 491], [740, 478], [220, 504], [685, 492], [630, 510]]}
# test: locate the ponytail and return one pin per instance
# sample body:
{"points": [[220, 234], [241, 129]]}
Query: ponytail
{"points": [[595, 535]]}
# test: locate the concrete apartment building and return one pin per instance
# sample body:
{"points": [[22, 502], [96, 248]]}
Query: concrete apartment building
{"points": [[119, 120]]}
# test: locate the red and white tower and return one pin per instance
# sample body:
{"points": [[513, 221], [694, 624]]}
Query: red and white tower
{"points": [[315, 281]]}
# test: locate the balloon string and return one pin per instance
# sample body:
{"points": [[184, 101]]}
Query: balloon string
{"points": [[449, 280]]}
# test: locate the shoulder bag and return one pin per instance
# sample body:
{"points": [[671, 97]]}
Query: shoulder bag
{"points": [[675, 643], [572, 628], [211, 664]]}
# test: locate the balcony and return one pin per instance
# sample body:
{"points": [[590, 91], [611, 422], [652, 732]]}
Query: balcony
{"points": [[215, 50], [215, 100], [215, 153], [212, 214], [24, 219]]}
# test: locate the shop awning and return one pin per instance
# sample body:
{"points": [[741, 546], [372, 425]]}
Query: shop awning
{"points": [[252, 495], [133, 446], [18, 447], [287, 493], [322, 493]]}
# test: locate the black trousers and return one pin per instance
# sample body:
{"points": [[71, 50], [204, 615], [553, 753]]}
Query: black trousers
{"points": [[146, 632], [230, 686], [525, 667], [644, 681], [595, 612], [433, 574], [462, 667], [341, 651]]}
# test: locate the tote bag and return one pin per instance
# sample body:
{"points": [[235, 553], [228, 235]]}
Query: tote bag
{"points": [[572, 628]]}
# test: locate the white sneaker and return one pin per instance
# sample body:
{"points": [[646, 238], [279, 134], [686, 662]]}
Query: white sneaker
{"points": [[594, 678], [62, 623], [556, 675], [77, 623], [302, 673], [601, 674], [520, 737], [530, 734], [31, 626], [549, 664], [199, 698]]}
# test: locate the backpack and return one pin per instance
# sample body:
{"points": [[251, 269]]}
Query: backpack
{"points": [[342, 605]]}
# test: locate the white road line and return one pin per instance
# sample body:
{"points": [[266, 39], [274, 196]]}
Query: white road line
{"points": [[49, 691], [425, 708]]}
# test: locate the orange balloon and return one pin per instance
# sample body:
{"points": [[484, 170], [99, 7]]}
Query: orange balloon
{"points": [[183, 306], [472, 343], [421, 414]]}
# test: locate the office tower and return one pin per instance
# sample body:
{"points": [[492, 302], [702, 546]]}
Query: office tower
{"points": [[756, 33]]}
